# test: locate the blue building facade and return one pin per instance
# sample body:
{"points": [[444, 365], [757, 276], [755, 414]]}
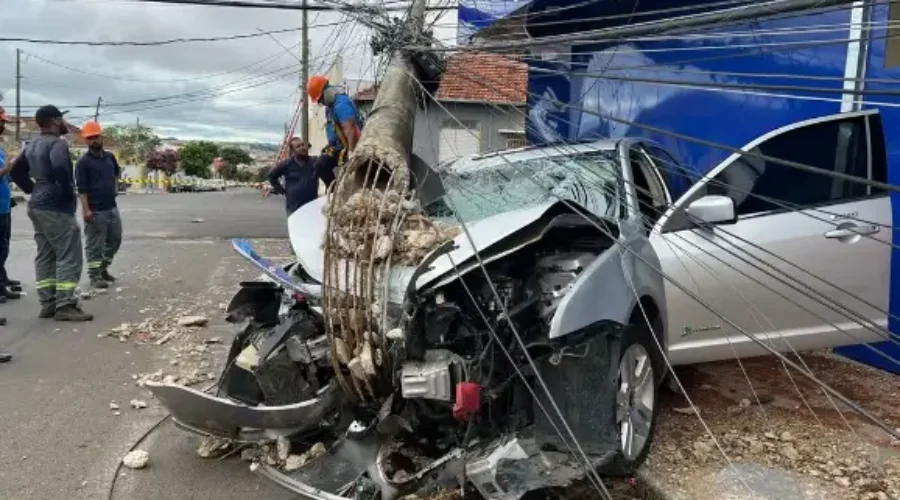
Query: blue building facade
{"points": [[728, 84]]}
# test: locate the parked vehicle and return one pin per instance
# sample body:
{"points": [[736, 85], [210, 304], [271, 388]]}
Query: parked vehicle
{"points": [[579, 243]]}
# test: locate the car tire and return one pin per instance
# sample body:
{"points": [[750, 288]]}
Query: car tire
{"points": [[636, 406]]}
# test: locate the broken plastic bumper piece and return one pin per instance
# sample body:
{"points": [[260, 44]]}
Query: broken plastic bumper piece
{"points": [[510, 468], [205, 414]]}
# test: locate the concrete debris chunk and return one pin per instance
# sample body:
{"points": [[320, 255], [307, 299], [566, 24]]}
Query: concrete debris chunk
{"points": [[113, 406], [193, 321], [136, 459], [250, 455], [138, 404], [283, 448], [317, 451], [295, 462], [212, 447], [789, 452]]}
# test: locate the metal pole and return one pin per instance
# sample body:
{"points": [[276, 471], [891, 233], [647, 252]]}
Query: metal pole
{"points": [[97, 112], [304, 73], [18, 94]]}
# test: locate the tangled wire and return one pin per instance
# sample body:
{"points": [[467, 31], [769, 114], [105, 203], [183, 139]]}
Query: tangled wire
{"points": [[374, 223]]}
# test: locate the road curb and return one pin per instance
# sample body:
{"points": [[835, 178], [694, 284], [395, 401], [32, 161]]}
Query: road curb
{"points": [[650, 488]]}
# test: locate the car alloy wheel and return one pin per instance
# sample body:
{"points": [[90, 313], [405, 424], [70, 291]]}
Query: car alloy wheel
{"points": [[635, 401]]}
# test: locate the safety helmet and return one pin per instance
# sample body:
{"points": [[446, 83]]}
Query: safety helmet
{"points": [[316, 87], [90, 129]]}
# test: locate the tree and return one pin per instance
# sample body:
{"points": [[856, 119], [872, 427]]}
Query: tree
{"points": [[232, 157], [133, 142], [235, 156], [262, 174], [196, 157], [164, 160], [245, 176]]}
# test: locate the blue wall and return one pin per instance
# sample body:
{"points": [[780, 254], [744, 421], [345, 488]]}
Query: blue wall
{"points": [[731, 117]]}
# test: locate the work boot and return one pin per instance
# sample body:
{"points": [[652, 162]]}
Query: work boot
{"points": [[2, 299], [9, 294], [2, 321], [47, 311], [5, 358], [14, 285], [108, 277], [99, 284], [72, 312]]}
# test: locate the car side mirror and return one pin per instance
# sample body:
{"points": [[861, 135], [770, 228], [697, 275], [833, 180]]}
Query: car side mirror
{"points": [[712, 209]]}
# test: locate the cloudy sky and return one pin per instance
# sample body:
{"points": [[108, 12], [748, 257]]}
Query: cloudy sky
{"points": [[226, 90]]}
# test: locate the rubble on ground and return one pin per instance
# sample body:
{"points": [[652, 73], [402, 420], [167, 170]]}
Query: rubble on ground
{"points": [[213, 447], [136, 459], [193, 321], [840, 452]]}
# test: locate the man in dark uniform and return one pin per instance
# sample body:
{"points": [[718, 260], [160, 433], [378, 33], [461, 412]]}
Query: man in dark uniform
{"points": [[45, 171], [301, 177], [97, 175]]}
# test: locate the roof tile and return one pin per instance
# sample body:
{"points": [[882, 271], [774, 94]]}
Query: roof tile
{"points": [[477, 77]]}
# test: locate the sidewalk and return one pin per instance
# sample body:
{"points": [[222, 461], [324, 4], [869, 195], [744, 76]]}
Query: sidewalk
{"points": [[782, 449]]}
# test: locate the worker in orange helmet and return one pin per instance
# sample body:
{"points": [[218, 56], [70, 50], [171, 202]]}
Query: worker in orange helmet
{"points": [[97, 174], [343, 122]]}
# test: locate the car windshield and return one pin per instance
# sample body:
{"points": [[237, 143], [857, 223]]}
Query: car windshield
{"points": [[486, 187]]}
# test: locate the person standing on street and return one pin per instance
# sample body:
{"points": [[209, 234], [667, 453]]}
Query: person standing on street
{"points": [[5, 208], [97, 175], [9, 288], [301, 176], [45, 171]]}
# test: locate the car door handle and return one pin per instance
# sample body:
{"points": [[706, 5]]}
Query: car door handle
{"points": [[849, 231]]}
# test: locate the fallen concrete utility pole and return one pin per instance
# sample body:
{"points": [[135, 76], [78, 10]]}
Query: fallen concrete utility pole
{"points": [[374, 223]]}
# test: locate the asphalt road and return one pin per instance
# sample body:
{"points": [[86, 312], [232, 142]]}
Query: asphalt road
{"points": [[59, 437]]}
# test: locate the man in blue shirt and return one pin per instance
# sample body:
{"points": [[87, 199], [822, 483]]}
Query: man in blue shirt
{"points": [[9, 288], [5, 206], [343, 122], [97, 174], [301, 176]]}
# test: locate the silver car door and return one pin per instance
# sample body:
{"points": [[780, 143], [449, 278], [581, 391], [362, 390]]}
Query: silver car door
{"points": [[797, 233]]}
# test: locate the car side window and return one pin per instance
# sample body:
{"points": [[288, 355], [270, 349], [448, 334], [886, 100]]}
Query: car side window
{"points": [[760, 186]]}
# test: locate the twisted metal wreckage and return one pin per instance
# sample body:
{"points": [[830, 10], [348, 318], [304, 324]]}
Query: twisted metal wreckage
{"points": [[405, 355]]}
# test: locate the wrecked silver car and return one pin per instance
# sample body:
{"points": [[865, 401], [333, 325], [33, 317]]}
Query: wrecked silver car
{"points": [[518, 355]]}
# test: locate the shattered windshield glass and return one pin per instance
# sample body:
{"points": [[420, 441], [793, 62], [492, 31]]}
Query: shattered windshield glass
{"points": [[482, 188]]}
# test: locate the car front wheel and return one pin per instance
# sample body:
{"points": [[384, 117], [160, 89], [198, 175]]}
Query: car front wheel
{"points": [[637, 398]]}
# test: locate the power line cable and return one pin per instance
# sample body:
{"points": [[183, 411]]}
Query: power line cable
{"points": [[361, 8], [756, 11], [151, 43]]}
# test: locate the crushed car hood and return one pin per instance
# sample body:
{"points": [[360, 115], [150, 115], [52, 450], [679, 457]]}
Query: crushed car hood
{"points": [[307, 226]]}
